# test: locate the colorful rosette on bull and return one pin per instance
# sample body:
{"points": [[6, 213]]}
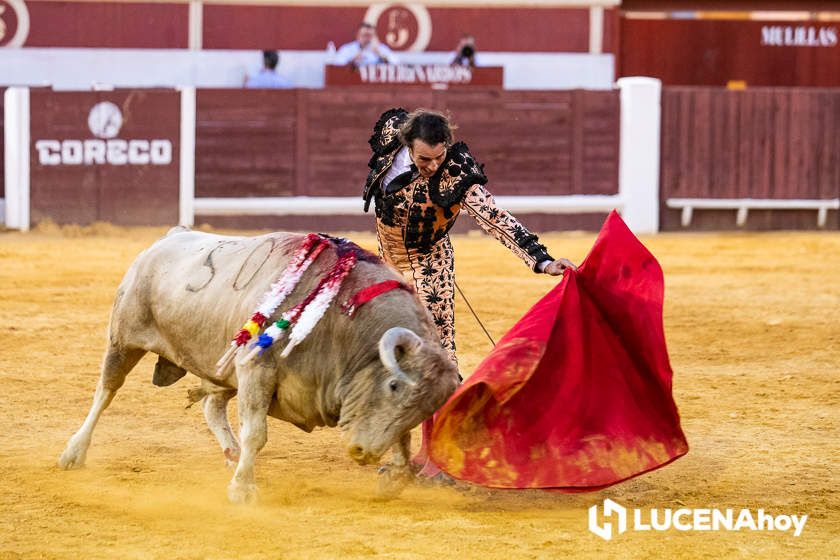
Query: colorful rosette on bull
{"points": [[302, 318], [300, 262]]}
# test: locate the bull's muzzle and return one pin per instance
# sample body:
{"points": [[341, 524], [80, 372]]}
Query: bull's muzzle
{"points": [[361, 455]]}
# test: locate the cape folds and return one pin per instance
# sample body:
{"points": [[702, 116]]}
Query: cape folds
{"points": [[577, 395]]}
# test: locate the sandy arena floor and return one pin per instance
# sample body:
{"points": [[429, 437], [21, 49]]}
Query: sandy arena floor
{"points": [[754, 334]]}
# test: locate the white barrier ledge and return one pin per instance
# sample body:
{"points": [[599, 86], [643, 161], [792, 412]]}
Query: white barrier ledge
{"points": [[744, 205], [280, 206], [353, 205], [569, 204]]}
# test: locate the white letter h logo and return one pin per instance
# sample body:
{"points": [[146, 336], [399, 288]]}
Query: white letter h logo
{"points": [[605, 531]]}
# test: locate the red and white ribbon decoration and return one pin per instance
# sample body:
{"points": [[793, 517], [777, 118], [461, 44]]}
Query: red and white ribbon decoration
{"points": [[300, 262]]}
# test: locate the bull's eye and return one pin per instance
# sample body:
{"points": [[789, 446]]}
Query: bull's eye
{"points": [[394, 385]]}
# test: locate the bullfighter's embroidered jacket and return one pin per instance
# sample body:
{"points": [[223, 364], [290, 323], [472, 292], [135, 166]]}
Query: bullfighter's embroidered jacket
{"points": [[424, 210], [414, 215]]}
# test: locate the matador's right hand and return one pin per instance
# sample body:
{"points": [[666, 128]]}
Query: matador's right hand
{"points": [[557, 267]]}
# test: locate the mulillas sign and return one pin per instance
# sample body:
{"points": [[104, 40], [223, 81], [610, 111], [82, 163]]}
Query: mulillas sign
{"points": [[105, 156], [105, 147], [799, 36]]}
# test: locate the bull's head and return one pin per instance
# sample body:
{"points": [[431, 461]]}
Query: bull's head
{"points": [[412, 379]]}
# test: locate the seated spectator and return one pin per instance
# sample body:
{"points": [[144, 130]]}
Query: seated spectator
{"points": [[366, 49], [465, 52], [267, 77]]}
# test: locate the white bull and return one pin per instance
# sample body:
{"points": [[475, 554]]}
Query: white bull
{"points": [[376, 375]]}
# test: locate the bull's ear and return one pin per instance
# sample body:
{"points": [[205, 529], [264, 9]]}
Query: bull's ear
{"points": [[398, 338]]}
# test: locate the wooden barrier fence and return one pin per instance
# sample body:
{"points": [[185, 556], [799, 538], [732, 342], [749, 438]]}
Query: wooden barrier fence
{"points": [[760, 158], [314, 142], [771, 144]]}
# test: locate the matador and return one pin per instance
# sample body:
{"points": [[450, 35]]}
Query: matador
{"points": [[419, 181]]}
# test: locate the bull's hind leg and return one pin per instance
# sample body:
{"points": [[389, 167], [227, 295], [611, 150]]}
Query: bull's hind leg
{"points": [[115, 367], [215, 413], [256, 388]]}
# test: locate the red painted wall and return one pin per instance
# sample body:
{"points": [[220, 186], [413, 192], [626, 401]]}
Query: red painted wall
{"points": [[240, 26], [311, 28], [104, 24], [712, 52]]}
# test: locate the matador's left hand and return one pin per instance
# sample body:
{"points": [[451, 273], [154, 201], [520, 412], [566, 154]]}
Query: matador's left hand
{"points": [[556, 268]]}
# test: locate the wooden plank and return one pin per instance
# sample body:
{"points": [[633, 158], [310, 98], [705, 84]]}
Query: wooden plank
{"points": [[245, 142], [782, 144], [750, 158], [301, 159], [729, 139], [669, 116], [799, 172], [576, 135], [762, 154], [687, 141]]}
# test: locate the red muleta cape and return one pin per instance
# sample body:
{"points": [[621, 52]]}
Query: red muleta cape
{"points": [[577, 395]]}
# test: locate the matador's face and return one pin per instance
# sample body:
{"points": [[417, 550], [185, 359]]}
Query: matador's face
{"points": [[427, 158]]}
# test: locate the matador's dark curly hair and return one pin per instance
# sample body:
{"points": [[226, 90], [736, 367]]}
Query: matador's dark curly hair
{"points": [[431, 127]]}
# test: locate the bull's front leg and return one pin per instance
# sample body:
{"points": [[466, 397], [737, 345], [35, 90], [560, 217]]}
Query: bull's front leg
{"points": [[256, 387], [397, 474]]}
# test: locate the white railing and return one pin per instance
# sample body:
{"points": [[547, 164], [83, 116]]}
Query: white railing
{"points": [[353, 205], [744, 205]]}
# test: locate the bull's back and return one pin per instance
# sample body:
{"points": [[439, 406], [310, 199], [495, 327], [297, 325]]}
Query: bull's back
{"points": [[187, 295]]}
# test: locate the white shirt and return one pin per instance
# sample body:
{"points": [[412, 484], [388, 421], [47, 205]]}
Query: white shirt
{"points": [[348, 52], [402, 163], [268, 79]]}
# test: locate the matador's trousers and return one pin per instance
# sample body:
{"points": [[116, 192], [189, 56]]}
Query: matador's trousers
{"points": [[432, 274]]}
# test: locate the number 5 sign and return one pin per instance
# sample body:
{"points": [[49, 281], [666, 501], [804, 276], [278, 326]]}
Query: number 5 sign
{"points": [[403, 27], [14, 23]]}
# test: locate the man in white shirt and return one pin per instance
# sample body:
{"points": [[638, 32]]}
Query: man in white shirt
{"points": [[366, 49]]}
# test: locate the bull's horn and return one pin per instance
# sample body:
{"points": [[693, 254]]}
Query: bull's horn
{"points": [[393, 337]]}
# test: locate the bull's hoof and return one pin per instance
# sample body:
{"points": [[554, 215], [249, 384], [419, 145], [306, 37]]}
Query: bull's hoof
{"points": [[392, 481], [73, 456], [239, 493]]}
